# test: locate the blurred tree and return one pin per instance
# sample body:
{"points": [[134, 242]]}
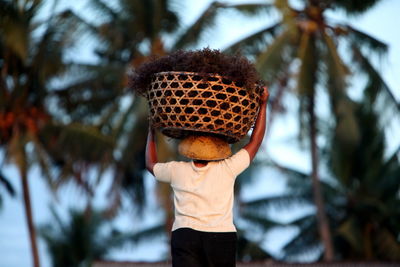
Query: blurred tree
{"points": [[86, 237], [305, 46], [365, 203], [362, 201], [31, 56]]}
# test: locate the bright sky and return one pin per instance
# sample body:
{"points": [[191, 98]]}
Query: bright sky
{"points": [[14, 248]]}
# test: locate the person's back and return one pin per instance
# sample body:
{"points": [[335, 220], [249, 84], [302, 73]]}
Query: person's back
{"points": [[203, 196]]}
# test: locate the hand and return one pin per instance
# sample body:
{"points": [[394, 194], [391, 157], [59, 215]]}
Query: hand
{"points": [[265, 95]]}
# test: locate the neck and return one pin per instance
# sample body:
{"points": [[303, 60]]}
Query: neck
{"points": [[200, 163]]}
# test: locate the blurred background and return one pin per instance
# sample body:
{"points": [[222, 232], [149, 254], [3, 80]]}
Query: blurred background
{"points": [[73, 185]]}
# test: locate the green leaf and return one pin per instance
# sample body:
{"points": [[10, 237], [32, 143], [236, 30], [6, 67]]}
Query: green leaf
{"points": [[274, 58]]}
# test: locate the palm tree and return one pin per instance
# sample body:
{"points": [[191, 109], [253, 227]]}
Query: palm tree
{"points": [[31, 56], [86, 237], [368, 181], [361, 193], [7, 186], [303, 47]]}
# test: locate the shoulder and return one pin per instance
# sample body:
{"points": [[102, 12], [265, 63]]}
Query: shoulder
{"points": [[171, 165], [238, 162], [241, 155]]}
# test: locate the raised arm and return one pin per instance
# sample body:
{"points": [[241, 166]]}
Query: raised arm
{"points": [[151, 151], [259, 128]]}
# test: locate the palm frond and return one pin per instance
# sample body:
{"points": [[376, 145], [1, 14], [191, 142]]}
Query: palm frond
{"points": [[307, 77], [145, 234], [285, 201], [125, 118], [94, 89], [275, 57], [390, 185], [104, 10], [132, 163], [165, 18], [14, 28], [350, 231], [363, 39], [291, 172], [6, 184], [306, 241], [388, 245], [376, 87], [77, 141], [354, 7], [80, 240], [17, 153], [44, 162], [337, 71], [248, 249], [250, 9], [62, 30], [57, 219], [193, 33], [251, 44], [259, 220]]}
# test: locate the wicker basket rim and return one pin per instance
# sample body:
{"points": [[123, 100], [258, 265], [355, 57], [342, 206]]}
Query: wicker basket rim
{"points": [[216, 75], [191, 73]]}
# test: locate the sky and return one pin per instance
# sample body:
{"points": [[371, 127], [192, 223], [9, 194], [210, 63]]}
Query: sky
{"points": [[14, 247]]}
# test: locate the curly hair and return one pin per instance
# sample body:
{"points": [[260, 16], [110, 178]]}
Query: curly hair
{"points": [[206, 62]]}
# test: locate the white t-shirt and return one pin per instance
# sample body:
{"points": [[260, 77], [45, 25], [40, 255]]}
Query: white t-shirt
{"points": [[203, 196]]}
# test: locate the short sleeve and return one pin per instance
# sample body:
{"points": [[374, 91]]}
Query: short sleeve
{"points": [[163, 171], [238, 162]]}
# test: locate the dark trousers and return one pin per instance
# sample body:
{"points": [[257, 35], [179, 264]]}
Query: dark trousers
{"points": [[191, 248]]}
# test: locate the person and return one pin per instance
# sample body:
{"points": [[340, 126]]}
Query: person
{"points": [[203, 233]]}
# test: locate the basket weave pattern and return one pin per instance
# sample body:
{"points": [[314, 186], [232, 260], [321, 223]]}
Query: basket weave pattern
{"points": [[185, 102]]}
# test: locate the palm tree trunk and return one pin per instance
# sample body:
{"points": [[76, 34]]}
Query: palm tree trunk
{"points": [[323, 223], [29, 217]]}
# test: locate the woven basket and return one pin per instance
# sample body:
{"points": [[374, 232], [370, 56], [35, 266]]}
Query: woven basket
{"points": [[187, 103]]}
